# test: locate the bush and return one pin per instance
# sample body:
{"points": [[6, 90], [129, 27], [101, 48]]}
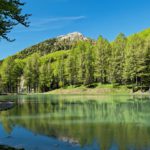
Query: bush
{"points": [[93, 85], [129, 86], [116, 85]]}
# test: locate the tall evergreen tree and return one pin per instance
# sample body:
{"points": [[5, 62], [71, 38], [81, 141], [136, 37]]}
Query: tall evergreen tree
{"points": [[81, 48], [73, 67], [133, 59], [89, 64], [31, 73], [35, 71], [145, 68], [8, 76], [28, 75], [103, 55], [118, 59], [45, 77], [61, 71]]}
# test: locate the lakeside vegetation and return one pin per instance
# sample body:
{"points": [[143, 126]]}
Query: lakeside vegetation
{"points": [[99, 89], [55, 64]]}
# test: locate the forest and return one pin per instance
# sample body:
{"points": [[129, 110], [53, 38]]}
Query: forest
{"points": [[52, 65]]}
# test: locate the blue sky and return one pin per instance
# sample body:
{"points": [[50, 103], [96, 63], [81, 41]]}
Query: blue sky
{"points": [[51, 18]]}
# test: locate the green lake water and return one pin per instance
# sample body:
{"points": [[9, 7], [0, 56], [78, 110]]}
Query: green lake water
{"points": [[51, 122]]}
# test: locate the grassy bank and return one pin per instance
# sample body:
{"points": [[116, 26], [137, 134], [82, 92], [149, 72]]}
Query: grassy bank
{"points": [[99, 89]]}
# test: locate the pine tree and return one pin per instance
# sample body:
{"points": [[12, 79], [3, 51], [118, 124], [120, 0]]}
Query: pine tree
{"points": [[10, 16], [133, 59], [28, 75], [35, 71], [61, 72], [45, 77], [73, 67], [103, 55], [118, 59], [89, 65], [81, 48], [7, 75], [145, 74]]}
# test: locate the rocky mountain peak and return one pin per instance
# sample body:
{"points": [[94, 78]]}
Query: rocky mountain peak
{"points": [[75, 36]]}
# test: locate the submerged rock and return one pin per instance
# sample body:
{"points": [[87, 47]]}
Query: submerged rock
{"points": [[6, 105], [4, 147]]}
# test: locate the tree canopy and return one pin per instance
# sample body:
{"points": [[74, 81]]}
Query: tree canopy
{"points": [[10, 16], [125, 61]]}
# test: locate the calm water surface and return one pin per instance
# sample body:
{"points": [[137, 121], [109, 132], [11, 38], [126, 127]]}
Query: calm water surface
{"points": [[44, 122]]}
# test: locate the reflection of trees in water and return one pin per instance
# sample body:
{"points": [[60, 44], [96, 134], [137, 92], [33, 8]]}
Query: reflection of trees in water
{"points": [[120, 122]]}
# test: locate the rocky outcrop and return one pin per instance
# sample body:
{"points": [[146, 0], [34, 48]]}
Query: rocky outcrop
{"points": [[3, 147], [75, 36]]}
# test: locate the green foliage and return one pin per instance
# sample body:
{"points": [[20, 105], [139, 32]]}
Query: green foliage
{"points": [[103, 56], [10, 16], [46, 47], [89, 64], [73, 67], [133, 59], [118, 59], [31, 73], [10, 73], [45, 77], [125, 61], [81, 48]]}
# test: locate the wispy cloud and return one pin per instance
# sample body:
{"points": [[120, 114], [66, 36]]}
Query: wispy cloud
{"points": [[44, 21], [50, 23]]}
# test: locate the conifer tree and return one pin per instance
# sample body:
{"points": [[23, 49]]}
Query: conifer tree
{"points": [[89, 64], [133, 59], [103, 55], [73, 67], [10, 16], [118, 59]]}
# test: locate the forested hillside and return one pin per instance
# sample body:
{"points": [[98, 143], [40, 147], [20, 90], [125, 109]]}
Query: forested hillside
{"points": [[64, 42], [66, 61]]}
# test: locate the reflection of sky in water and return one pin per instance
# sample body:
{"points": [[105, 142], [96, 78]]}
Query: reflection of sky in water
{"points": [[42, 123], [21, 137]]}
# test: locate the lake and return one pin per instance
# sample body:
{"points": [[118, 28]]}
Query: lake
{"points": [[51, 122]]}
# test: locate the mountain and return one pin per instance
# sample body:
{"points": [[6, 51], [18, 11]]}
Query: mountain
{"points": [[75, 36], [63, 42], [74, 60]]}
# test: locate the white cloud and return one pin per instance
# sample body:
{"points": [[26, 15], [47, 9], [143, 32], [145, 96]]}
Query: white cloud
{"points": [[50, 23]]}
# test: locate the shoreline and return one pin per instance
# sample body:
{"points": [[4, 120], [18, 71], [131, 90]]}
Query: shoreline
{"points": [[82, 90], [96, 91], [5, 147]]}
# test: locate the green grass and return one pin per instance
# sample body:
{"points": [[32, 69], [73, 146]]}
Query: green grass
{"points": [[99, 89]]}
